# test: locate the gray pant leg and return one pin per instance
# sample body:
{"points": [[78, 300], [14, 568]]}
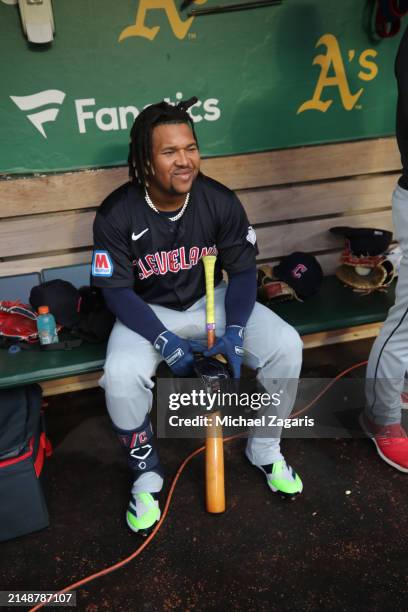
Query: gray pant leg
{"points": [[388, 359], [274, 349], [131, 362]]}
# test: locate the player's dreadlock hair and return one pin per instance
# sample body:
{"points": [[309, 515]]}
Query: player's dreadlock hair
{"points": [[140, 146]]}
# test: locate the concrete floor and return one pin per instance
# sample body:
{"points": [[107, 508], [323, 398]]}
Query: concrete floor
{"points": [[325, 550]]}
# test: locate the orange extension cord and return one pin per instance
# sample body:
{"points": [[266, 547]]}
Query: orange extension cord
{"points": [[199, 450]]}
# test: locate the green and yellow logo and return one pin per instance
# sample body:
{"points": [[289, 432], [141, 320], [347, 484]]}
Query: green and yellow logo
{"points": [[333, 62], [179, 26]]}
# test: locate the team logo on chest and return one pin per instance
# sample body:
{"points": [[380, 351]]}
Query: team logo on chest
{"points": [[171, 261]]}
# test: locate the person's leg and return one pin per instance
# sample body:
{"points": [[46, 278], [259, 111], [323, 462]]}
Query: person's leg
{"points": [[131, 362], [388, 359], [130, 365], [274, 349]]}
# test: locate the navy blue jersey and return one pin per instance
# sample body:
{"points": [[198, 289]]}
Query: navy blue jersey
{"points": [[401, 72], [134, 246]]}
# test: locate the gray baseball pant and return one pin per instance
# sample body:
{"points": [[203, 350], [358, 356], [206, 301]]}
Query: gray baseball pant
{"points": [[388, 359], [271, 347]]}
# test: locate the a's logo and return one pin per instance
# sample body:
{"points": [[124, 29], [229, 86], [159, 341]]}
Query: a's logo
{"points": [[102, 264], [298, 271], [37, 101], [179, 26], [333, 62], [137, 236]]}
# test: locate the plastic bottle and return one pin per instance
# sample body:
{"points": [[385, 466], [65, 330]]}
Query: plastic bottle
{"points": [[47, 329]]}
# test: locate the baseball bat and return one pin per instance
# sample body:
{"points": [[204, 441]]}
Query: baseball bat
{"points": [[214, 447]]}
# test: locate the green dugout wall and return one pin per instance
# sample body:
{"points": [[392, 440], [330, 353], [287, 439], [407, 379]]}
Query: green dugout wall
{"points": [[299, 73]]}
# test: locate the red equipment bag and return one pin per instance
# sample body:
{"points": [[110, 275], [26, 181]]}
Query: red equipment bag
{"points": [[23, 448]]}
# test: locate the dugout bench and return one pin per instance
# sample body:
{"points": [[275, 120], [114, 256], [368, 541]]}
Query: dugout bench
{"points": [[292, 197], [327, 315]]}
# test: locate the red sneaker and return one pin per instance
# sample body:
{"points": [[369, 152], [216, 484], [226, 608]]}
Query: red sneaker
{"points": [[391, 442]]}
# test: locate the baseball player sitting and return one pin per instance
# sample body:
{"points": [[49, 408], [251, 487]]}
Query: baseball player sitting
{"points": [[149, 236]]}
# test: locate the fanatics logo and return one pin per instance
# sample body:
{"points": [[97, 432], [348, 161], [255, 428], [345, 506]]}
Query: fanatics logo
{"points": [[39, 102], [102, 264]]}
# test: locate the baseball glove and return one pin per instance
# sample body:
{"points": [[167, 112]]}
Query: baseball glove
{"points": [[365, 279], [17, 322], [271, 290]]}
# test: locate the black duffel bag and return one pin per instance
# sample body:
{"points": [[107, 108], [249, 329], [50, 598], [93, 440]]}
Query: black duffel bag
{"points": [[81, 311], [23, 448]]}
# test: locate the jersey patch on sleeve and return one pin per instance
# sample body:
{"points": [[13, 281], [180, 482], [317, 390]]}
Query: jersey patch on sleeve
{"points": [[102, 264], [251, 235]]}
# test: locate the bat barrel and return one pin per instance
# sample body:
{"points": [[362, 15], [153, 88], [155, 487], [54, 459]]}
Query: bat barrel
{"points": [[214, 469]]}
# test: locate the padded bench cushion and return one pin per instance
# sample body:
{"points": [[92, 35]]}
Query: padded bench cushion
{"points": [[28, 366], [334, 307]]}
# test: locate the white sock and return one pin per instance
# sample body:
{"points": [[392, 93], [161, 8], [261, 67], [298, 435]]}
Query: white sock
{"points": [[148, 482]]}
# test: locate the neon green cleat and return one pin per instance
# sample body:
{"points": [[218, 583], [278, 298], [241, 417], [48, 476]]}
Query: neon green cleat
{"points": [[282, 478], [143, 512]]}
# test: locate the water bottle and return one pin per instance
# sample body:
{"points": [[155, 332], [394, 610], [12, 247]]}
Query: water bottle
{"points": [[47, 329]]}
